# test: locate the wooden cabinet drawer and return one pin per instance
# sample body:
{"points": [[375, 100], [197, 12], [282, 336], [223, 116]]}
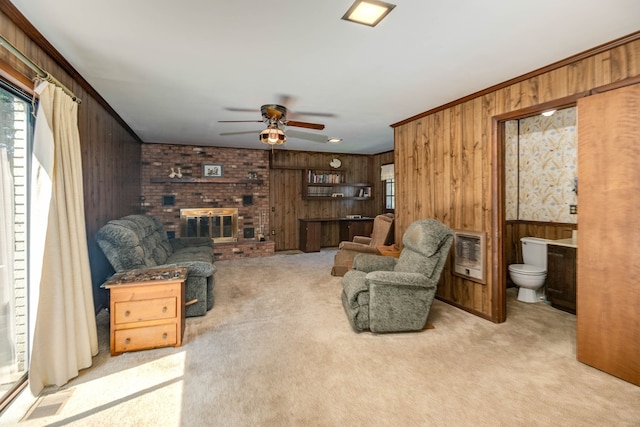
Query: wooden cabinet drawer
{"points": [[143, 310], [148, 292], [145, 338]]}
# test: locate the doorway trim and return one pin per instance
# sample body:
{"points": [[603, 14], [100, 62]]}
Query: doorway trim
{"points": [[499, 273]]}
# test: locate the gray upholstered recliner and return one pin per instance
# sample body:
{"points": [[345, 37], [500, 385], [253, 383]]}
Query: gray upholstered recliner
{"points": [[140, 241], [385, 294]]}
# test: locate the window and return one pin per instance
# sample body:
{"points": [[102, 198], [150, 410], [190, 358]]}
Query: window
{"points": [[390, 194], [16, 135], [387, 176]]}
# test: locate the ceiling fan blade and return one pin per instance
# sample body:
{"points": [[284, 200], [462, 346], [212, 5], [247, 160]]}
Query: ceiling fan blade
{"points": [[306, 135], [240, 121], [247, 132], [310, 113], [315, 126], [285, 100], [243, 110]]}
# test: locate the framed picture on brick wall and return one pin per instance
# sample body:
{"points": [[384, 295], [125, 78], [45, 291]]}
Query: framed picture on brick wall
{"points": [[211, 171]]}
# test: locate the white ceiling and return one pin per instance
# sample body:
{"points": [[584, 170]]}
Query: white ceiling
{"points": [[171, 69]]}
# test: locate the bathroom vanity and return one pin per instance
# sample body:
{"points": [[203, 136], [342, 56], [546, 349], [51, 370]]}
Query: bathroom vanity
{"points": [[561, 274]]}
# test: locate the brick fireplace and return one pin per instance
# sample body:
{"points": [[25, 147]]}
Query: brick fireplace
{"points": [[242, 189]]}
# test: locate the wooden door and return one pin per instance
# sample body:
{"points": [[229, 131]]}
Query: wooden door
{"points": [[608, 289], [285, 190]]}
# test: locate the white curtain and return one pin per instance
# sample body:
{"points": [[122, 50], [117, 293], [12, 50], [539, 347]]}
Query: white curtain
{"points": [[387, 172], [64, 337], [7, 306]]}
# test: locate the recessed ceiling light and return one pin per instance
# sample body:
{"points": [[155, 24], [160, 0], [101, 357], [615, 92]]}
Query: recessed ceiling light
{"points": [[368, 12], [548, 113], [334, 140]]}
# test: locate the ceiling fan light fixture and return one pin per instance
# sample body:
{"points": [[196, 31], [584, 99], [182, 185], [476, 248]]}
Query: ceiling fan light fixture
{"points": [[273, 136], [368, 12]]}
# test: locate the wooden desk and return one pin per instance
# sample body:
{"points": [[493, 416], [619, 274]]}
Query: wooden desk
{"points": [[311, 230], [146, 309]]}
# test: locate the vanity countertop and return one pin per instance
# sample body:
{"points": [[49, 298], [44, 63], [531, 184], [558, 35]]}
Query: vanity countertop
{"points": [[572, 243]]}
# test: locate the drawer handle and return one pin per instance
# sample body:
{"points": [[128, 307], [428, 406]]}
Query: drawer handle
{"points": [[127, 313], [164, 309], [127, 341], [164, 336]]}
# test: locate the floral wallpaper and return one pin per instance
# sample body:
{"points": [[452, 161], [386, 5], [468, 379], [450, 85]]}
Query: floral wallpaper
{"points": [[511, 170], [541, 157]]}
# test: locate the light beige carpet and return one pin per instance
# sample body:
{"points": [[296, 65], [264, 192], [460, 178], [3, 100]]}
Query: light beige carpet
{"points": [[277, 350]]}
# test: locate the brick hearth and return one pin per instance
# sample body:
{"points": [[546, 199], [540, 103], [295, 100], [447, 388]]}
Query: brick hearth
{"points": [[246, 249]]}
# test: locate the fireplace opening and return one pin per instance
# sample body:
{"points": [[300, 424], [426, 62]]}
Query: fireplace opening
{"points": [[220, 224]]}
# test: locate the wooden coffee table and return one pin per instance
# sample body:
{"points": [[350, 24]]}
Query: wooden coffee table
{"points": [[146, 308]]}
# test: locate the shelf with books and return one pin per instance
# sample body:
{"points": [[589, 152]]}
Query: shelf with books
{"points": [[329, 185]]}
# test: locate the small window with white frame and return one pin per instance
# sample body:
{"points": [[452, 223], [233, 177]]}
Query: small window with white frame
{"points": [[387, 175]]}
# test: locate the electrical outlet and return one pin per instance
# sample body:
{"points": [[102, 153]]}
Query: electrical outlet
{"points": [[273, 232], [573, 209]]}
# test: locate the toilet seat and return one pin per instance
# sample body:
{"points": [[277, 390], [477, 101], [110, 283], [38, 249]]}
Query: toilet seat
{"points": [[527, 270]]}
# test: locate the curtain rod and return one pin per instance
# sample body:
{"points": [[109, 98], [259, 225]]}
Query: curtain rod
{"points": [[42, 74]]}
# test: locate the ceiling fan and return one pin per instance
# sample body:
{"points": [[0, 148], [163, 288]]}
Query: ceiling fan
{"points": [[275, 117]]}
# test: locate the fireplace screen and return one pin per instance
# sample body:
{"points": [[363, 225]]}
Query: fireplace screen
{"points": [[220, 224]]}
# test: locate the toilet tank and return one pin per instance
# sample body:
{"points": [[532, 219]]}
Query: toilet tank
{"points": [[534, 251]]}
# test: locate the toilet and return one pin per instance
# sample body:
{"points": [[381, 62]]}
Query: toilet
{"points": [[530, 276]]}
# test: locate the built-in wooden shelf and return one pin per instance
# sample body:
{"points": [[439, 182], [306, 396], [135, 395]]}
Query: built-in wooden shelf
{"points": [[323, 184], [343, 184], [206, 180]]}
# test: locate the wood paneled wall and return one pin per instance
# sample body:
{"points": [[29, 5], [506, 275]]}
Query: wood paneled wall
{"points": [[287, 205], [111, 152], [446, 158]]}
